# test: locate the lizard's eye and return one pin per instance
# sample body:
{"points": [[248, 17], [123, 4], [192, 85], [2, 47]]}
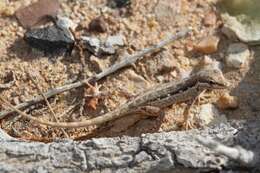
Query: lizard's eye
{"points": [[212, 82]]}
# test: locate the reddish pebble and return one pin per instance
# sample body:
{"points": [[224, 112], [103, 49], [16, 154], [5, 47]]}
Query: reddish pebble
{"points": [[227, 101], [210, 19], [207, 45], [37, 12], [98, 25]]}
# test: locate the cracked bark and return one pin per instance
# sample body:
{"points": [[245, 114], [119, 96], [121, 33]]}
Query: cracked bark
{"points": [[148, 153]]}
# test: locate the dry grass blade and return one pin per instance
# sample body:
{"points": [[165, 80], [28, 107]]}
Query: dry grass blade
{"points": [[47, 102]]}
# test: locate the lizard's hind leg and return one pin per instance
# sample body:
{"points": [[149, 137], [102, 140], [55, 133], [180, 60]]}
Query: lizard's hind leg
{"points": [[188, 120]]}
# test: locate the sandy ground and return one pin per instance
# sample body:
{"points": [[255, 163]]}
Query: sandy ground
{"points": [[145, 23]]}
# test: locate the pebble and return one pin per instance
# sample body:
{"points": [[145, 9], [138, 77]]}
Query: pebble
{"points": [[37, 12], [98, 25], [50, 39], [207, 45], [245, 29], [115, 40], [99, 63], [227, 101], [237, 55], [66, 23], [98, 47], [118, 3], [167, 11], [210, 19], [163, 63], [209, 115], [135, 82], [92, 44]]}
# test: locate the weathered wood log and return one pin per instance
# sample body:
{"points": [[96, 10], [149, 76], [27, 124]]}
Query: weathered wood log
{"points": [[148, 153]]}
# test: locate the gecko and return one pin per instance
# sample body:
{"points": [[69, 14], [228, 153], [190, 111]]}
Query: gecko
{"points": [[160, 96]]}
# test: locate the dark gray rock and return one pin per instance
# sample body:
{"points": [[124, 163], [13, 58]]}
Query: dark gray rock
{"points": [[118, 3], [50, 39]]}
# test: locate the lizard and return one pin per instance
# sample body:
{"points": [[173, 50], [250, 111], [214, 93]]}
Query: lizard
{"points": [[159, 97]]}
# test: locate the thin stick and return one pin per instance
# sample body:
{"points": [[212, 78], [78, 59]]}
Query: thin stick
{"points": [[47, 102], [14, 109], [127, 61], [68, 110]]}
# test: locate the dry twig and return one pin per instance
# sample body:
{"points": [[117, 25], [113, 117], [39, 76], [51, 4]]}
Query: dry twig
{"points": [[127, 61], [161, 97]]}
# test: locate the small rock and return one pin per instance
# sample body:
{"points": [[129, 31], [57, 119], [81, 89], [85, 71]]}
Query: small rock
{"points": [[37, 12], [99, 64], [166, 12], [66, 23], [227, 101], [93, 44], [163, 63], [118, 3], [133, 83], [210, 19], [242, 27], [207, 45], [237, 55], [99, 48], [209, 115], [50, 39], [115, 40], [98, 25], [237, 7], [107, 50], [137, 80]]}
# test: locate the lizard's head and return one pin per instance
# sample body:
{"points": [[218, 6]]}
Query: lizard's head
{"points": [[212, 76]]}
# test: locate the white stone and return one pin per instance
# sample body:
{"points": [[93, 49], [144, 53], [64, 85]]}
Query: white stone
{"points": [[237, 55], [93, 43], [115, 40], [65, 22], [243, 27], [209, 115]]}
